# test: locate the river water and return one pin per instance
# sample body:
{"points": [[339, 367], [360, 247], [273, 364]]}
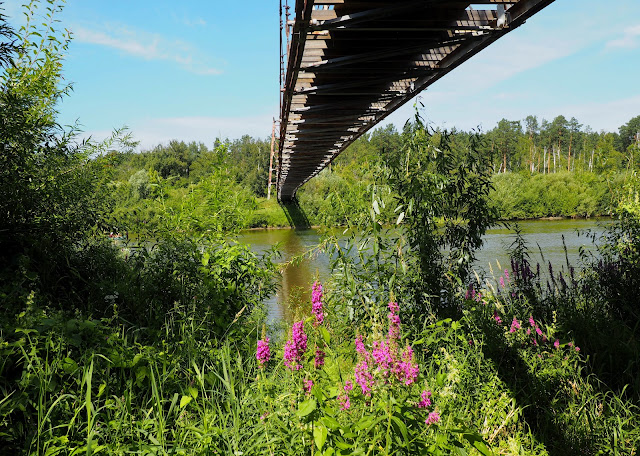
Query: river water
{"points": [[544, 236]]}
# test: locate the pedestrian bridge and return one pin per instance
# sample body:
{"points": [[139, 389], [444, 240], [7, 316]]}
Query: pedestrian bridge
{"points": [[351, 63]]}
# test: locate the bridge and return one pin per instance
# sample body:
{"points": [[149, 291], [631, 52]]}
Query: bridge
{"points": [[351, 63]]}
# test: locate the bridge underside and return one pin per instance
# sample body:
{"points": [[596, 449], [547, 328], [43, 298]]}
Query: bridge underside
{"points": [[351, 63]]}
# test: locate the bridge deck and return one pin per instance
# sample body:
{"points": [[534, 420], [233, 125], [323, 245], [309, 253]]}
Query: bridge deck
{"points": [[351, 63]]}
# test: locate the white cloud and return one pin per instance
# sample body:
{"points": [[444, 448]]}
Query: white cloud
{"points": [[629, 40], [148, 46]]}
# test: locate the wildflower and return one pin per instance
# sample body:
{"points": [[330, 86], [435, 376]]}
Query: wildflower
{"points": [[316, 303], [394, 322], [263, 354], [408, 369], [506, 274], [345, 403], [538, 331], [319, 360], [515, 325], [382, 355], [556, 344], [348, 386], [528, 331], [532, 322], [364, 377], [360, 348], [433, 417], [534, 342], [496, 317], [425, 399], [501, 282], [577, 348], [264, 416], [295, 347], [308, 384]]}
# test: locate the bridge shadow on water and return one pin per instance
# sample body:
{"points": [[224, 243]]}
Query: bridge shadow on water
{"points": [[295, 214]]}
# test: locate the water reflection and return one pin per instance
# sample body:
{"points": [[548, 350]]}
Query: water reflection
{"points": [[544, 238]]}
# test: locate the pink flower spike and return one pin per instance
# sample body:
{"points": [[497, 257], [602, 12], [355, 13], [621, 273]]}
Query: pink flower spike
{"points": [[319, 359], [348, 386], [425, 399], [556, 344], [496, 317], [308, 384], [345, 403], [577, 348], [501, 282], [263, 354], [532, 322], [433, 417], [506, 274], [316, 302]]}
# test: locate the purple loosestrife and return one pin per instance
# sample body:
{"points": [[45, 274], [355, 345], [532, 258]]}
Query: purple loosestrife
{"points": [[433, 417], [501, 282], [263, 354], [394, 323], [407, 369], [364, 377], [308, 384], [425, 399], [319, 360], [316, 300], [295, 347], [556, 344], [382, 355], [515, 325], [496, 317]]}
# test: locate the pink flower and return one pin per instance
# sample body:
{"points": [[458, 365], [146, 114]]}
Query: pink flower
{"points": [[316, 303], [264, 416], [345, 403], [308, 384], [528, 331], [506, 274], [577, 348], [433, 417], [394, 322], [319, 360], [295, 347], [532, 322], [501, 282], [348, 386], [364, 377], [263, 354], [408, 369], [556, 344], [534, 342], [515, 325], [496, 317], [425, 399], [361, 349], [538, 331], [382, 355]]}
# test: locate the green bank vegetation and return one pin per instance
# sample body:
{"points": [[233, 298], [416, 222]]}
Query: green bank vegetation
{"points": [[557, 169], [164, 348]]}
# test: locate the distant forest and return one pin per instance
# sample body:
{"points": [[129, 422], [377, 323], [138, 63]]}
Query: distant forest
{"points": [[541, 169]]}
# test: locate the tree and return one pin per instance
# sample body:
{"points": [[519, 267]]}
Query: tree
{"points": [[629, 133]]}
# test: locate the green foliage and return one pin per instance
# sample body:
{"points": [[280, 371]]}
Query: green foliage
{"points": [[443, 197]]}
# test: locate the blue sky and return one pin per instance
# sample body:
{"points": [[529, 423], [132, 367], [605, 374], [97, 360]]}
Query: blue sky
{"points": [[197, 70]]}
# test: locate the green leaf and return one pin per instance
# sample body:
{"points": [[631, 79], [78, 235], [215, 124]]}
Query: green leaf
{"points": [[330, 422], [400, 218], [402, 428], [376, 209], [306, 407], [320, 435], [193, 392], [184, 400], [325, 335]]}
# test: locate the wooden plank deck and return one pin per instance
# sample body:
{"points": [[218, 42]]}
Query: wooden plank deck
{"points": [[351, 63]]}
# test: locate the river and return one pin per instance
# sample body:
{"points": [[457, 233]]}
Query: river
{"points": [[541, 236]]}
